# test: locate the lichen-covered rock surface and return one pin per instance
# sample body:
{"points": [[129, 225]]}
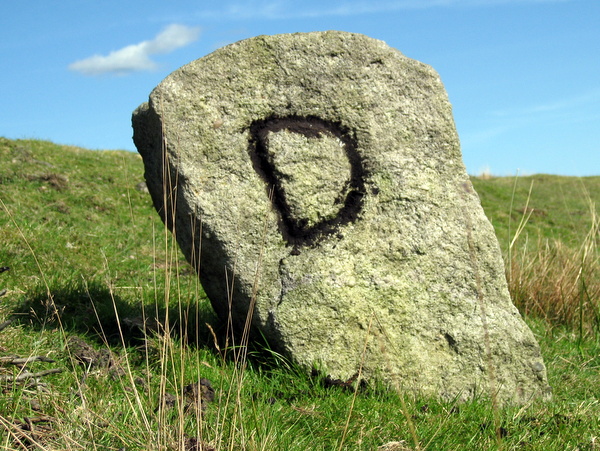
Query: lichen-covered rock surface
{"points": [[316, 183]]}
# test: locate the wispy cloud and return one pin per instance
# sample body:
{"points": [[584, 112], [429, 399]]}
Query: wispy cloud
{"points": [[287, 9], [579, 103], [477, 137], [577, 109], [136, 57]]}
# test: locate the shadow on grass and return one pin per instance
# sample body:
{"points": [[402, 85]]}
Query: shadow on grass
{"points": [[91, 309]]}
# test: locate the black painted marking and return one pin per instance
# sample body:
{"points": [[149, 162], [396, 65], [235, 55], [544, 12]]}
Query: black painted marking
{"points": [[295, 230]]}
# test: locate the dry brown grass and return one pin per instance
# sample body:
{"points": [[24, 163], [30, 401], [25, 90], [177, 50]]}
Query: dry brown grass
{"points": [[558, 283]]}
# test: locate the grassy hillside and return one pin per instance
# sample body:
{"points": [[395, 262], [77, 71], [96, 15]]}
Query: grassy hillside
{"points": [[91, 266], [556, 207]]}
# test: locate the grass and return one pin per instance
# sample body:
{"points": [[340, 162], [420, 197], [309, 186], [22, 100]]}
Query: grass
{"points": [[91, 266], [549, 229]]}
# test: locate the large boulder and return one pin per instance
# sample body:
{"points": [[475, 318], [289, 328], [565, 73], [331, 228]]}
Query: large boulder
{"points": [[315, 182]]}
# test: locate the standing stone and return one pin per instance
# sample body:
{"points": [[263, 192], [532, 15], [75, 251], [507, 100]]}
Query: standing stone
{"points": [[315, 182]]}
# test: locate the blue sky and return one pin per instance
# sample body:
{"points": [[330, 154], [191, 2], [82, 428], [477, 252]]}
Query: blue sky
{"points": [[523, 76]]}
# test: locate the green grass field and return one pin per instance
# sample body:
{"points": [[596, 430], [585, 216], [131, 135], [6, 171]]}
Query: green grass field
{"points": [[92, 267]]}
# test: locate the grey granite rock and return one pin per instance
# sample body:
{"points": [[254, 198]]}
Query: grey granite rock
{"points": [[316, 183]]}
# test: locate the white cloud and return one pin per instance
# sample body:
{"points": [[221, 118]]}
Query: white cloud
{"points": [[136, 57]]}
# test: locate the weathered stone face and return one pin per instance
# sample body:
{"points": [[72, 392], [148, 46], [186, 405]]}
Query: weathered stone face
{"points": [[316, 181]]}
